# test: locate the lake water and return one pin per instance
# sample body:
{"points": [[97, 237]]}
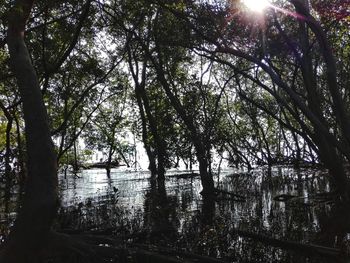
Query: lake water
{"points": [[135, 209]]}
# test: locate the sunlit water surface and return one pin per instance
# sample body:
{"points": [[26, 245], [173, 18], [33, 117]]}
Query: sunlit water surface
{"points": [[136, 209]]}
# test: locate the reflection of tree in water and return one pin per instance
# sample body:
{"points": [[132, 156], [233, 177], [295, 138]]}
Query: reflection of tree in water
{"points": [[212, 229], [178, 217], [162, 213], [160, 217], [334, 227], [208, 210]]}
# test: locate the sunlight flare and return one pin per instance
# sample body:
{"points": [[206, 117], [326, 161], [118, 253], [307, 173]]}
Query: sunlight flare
{"points": [[256, 5]]}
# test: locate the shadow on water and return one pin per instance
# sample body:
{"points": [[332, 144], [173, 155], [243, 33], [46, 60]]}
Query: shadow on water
{"points": [[251, 218]]}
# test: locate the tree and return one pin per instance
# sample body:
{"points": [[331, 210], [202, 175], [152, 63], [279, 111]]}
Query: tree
{"points": [[307, 94], [108, 130], [40, 202], [154, 143]]}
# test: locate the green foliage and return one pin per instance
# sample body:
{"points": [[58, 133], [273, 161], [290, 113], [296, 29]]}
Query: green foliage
{"points": [[233, 102]]}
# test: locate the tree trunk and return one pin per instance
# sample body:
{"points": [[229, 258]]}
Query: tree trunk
{"points": [[123, 156], [195, 135], [109, 160], [22, 169], [206, 178], [75, 161], [158, 141], [145, 138], [8, 168], [32, 226]]}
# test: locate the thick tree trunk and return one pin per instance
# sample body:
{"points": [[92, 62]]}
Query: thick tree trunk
{"points": [[34, 220]]}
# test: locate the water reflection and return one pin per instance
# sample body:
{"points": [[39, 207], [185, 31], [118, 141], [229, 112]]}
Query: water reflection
{"points": [[160, 217], [283, 203]]}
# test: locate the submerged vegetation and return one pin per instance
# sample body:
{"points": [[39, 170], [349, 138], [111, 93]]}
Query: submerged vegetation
{"points": [[199, 85]]}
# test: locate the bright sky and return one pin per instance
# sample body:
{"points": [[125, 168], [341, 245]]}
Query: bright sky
{"points": [[256, 5]]}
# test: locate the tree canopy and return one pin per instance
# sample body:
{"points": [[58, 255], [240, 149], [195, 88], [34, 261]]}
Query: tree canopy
{"points": [[189, 79]]}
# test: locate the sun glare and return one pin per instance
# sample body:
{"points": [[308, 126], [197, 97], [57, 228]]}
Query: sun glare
{"points": [[256, 5]]}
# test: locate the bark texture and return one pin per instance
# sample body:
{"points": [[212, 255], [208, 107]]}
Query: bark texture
{"points": [[31, 229]]}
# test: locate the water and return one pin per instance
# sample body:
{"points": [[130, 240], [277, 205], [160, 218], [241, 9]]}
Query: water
{"points": [[133, 208]]}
